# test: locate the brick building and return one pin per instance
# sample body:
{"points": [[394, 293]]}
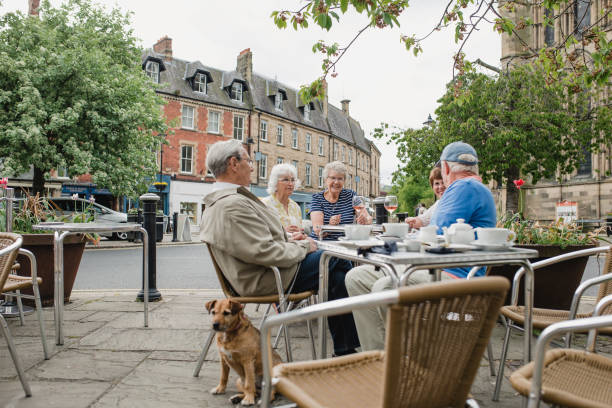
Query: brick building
{"points": [[207, 104], [591, 185]]}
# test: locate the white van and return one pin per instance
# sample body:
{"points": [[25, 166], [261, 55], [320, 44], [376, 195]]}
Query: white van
{"points": [[68, 205]]}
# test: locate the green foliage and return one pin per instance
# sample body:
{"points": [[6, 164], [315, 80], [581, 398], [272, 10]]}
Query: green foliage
{"points": [[73, 94], [410, 193], [555, 233]]}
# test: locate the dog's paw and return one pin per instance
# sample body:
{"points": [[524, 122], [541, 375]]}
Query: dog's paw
{"points": [[218, 390], [247, 401], [234, 399]]}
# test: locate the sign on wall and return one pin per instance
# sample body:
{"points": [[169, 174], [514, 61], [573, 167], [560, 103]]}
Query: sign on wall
{"points": [[567, 211]]}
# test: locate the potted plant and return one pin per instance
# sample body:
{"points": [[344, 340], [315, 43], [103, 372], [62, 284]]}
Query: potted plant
{"points": [[34, 210], [554, 285]]}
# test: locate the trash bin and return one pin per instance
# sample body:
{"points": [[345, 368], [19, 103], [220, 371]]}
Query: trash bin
{"points": [[159, 227], [137, 218], [401, 217], [379, 209]]}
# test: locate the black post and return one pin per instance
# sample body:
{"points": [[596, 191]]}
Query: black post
{"points": [[149, 204], [174, 226]]}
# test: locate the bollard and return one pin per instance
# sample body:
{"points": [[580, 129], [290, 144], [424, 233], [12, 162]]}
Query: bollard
{"points": [[149, 204], [174, 226]]}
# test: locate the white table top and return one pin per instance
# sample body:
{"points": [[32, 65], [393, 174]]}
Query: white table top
{"points": [[88, 226]]}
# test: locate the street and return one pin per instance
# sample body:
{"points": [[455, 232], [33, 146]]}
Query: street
{"points": [[178, 267]]}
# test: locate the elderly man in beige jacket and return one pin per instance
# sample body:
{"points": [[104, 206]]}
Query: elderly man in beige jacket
{"points": [[247, 238]]}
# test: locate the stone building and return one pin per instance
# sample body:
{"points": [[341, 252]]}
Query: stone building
{"points": [[591, 185], [206, 104]]}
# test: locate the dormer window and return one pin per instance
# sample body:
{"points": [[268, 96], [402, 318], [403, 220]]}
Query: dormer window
{"points": [[152, 70], [307, 111], [278, 101], [237, 91], [199, 82]]}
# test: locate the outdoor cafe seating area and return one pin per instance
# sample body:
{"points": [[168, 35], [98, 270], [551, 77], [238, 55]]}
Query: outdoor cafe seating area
{"points": [[110, 359]]}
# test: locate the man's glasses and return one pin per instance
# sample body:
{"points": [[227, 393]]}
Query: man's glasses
{"points": [[287, 180], [248, 160]]}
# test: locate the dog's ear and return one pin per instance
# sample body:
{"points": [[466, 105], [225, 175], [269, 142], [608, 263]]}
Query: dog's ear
{"points": [[210, 304], [235, 307]]}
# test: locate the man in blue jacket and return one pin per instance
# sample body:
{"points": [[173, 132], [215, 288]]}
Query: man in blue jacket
{"points": [[465, 197]]}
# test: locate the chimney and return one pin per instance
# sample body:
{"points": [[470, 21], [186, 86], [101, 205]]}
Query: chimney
{"points": [[164, 46], [33, 7], [244, 64], [345, 106], [325, 99]]}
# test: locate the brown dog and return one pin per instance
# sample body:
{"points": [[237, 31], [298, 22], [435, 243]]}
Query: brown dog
{"points": [[239, 347]]}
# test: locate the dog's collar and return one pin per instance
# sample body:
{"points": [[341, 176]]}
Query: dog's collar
{"points": [[237, 327]]}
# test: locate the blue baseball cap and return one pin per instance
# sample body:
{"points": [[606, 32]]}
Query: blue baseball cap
{"points": [[453, 151]]}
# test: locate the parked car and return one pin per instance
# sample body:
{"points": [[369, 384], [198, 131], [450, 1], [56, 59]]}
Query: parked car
{"points": [[68, 205]]}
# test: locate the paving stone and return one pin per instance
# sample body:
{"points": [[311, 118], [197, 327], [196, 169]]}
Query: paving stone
{"points": [[163, 318], [52, 394], [104, 316], [98, 365], [143, 339], [29, 351]]}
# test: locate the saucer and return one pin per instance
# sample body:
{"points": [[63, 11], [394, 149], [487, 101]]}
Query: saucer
{"points": [[360, 243], [492, 246]]}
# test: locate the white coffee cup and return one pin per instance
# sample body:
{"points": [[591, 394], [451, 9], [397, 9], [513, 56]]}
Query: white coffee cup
{"points": [[495, 236], [428, 233], [396, 229], [357, 232], [412, 245]]}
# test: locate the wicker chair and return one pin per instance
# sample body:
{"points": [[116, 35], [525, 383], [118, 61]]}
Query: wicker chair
{"points": [[436, 336], [9, 245], [284, 302], [542, 318], [15, 283], [566, 377]]}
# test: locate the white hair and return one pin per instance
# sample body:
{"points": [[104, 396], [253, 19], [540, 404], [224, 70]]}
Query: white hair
{"points": [[336, 166], [455, 167], [219, 154], [278, 170]]}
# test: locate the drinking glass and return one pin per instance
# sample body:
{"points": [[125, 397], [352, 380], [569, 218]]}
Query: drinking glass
{"points": [[358, 205], [390, 205]]}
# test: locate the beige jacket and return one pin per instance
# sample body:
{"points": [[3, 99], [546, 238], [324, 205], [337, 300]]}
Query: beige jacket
{"points": [[247, 238]]}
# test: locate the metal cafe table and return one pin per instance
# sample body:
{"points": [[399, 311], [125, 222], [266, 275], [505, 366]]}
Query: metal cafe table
{"points": [[61, 231], [399, 265]]}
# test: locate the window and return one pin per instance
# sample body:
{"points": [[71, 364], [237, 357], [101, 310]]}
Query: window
{"points": [[280, 160], [308, 142], [187, 159], [307, 112], [213, 121], [62, 172], [295, 164], [549, 30], [238, 127], [237, 91], [343, 153], [279, 134], [278, 101], [349, 183], [263, 130], [585, 167], [199, 83], [321, 146], [367, 163], [335, 151], [308, 171], [152, 70], [263, 166], [191, 209], [357, 157], [582, 16], [320, 176], [350, 153], [294, 138], [187, 117]]}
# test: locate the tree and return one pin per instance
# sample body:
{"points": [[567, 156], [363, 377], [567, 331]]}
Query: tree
{"points": [[410, 192], [578, 59], [73, 94], [519, 125]]}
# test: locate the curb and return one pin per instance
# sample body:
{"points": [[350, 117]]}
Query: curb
{"points": [[129, 245]]}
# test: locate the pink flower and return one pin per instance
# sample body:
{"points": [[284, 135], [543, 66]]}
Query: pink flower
{"points": [[92, 199], [75, 196], [518, 183], [4, 182]]}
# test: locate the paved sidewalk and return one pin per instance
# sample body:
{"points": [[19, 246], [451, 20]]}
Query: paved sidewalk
{"points": [[110, 360]]}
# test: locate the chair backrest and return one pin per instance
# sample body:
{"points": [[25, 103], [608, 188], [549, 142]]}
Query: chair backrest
{"points": [[605, 288], [9, 246], [436, 336], [227, 288]]}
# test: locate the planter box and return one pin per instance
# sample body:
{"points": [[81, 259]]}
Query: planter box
{"points": [[41, 245], [554, 285]]}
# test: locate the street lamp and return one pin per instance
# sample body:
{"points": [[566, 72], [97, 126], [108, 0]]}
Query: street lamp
{"points": [[429, 120]]}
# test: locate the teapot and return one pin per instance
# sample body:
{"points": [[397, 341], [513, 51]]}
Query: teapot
{"points": [[459, 233]]}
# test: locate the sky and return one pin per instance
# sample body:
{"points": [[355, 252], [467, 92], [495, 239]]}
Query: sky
{"points": [[383, 81]]}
